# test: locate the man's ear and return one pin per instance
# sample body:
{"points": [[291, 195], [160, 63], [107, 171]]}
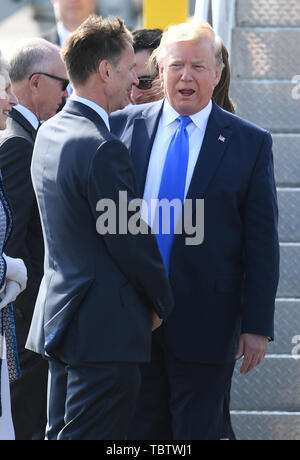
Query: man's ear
{"points": [[104, 70], [217, 77], [34, 83]]}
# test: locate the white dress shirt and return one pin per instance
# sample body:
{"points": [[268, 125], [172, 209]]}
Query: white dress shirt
{"points": [[63, 33], [168, 124], [103, 114], [30, 116]]}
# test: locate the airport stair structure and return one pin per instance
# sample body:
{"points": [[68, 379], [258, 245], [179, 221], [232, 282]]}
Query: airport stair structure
{"points": [[265, 62]]}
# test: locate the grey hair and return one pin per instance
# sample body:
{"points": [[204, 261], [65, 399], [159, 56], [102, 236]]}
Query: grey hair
{"points": [[218, 44], [33, 55]]}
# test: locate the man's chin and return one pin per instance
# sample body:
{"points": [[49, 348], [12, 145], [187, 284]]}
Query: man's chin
{"points": [[123, 104]]}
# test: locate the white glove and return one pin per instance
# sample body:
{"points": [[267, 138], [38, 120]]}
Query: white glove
{"points": [[11, 292], [16, 271]]}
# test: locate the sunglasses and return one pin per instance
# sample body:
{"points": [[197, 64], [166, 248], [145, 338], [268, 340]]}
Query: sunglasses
{"points": [[146, 82], [64, 82]]}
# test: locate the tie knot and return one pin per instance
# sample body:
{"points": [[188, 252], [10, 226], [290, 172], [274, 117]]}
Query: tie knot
{"points": [[184, 121]]}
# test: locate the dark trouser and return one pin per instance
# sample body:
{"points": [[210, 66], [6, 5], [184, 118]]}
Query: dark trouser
{"points": [[29, 393], [180, 400], [91, 401]]}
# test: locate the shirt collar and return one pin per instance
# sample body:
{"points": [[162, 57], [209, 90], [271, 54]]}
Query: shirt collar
{"points": [[101, 112], [63, 33], [200, 119], [30, 116]]}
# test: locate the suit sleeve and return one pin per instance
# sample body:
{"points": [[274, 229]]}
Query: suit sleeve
{"points": [[261, 246], [138, 256], [15, 161]]}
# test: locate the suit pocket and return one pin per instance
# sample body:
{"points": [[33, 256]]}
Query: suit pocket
{"points": [[228, 284], [55, 328]]}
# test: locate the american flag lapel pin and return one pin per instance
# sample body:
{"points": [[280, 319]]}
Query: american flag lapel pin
{"points": [[222, 138]]}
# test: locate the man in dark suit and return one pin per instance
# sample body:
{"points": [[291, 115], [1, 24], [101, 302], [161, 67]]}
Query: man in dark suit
{"points": [[225, 287], [68, 17], [103, 286], [39, 97]]}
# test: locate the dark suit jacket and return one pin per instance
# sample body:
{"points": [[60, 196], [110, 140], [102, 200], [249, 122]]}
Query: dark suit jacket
{"points": [[98, 292], [228, 284], [26, 242], [52, 36]]}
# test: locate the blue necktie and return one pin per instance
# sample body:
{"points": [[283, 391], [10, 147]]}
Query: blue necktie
{"points": [[172, 186]]}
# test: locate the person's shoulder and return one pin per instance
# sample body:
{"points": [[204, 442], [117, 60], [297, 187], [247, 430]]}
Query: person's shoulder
{"points": [[14, 134], [129, 111], [136, 110], [51, 35], [123, 119], [238, 122]]}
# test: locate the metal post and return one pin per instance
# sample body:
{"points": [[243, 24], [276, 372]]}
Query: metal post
{"points": [[223, 19], [220, 14], [202, 9]]}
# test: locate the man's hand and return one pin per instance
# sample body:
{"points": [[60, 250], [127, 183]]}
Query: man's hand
{"points": [[156, 321], [16, 271], [254, 348]]}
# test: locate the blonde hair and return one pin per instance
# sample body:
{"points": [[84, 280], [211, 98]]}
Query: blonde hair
{"points": [[189, 31]]}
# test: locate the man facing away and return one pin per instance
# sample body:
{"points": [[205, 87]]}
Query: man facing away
{"points": [[38, 77], [102, 290], [69, 15], [224, 289]]}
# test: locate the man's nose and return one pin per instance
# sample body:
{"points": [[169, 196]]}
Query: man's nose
{"points": [[135, 80], [14, 100], [186, 73]]}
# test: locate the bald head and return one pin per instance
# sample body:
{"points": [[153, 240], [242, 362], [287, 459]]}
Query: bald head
{"points": [[39, 76], [33, 55]]}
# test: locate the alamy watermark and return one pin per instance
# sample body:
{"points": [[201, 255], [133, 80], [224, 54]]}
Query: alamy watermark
{"points": [[140, 217], [296, 89], [296, 349]]}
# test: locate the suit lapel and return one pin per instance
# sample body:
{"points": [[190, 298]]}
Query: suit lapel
{"points": [[215, 143], [143, 135], [18, 117], [79, 109]]}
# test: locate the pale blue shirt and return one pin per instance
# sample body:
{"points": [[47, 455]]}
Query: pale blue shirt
{"points": [[63, 33]]}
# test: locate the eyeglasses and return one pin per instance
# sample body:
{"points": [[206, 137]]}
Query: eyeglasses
{"points": [[65, 83], [146, 82]]}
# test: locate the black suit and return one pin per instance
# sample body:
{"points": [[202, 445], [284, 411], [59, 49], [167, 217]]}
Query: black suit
{"points": [[222, 288], [98, 291], [29, 393], [52, 36]]}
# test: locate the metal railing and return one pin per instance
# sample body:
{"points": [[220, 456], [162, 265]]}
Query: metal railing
{"points": [[220, 14]]}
